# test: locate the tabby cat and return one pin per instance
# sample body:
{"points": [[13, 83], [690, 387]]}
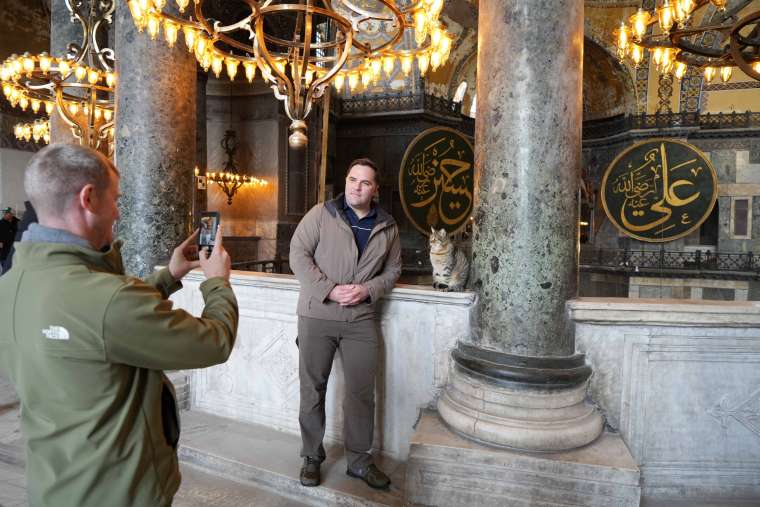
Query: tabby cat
{"points": [[450, 264]]}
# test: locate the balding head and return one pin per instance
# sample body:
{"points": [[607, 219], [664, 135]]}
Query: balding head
{"points": [[56, 174]]}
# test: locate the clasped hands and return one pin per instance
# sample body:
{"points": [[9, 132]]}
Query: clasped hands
{"points": [[349, 294]]}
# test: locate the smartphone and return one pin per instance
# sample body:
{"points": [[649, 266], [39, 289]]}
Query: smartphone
{"points": [[208, 224]]}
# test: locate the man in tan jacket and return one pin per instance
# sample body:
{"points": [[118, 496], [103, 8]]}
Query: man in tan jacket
{"points": [[346, 253]]}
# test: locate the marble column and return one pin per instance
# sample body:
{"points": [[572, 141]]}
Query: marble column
{"points": [[200, 196], [155, 144], [63, 31], [518, 382]]}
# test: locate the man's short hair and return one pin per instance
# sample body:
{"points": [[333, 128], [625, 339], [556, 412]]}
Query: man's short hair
{"points": [[364, 161], [57, 173]]}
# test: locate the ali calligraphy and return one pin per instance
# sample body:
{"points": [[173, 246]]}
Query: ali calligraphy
{"points": [[659, 190]]}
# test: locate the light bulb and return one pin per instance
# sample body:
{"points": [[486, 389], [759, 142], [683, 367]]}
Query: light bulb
{"points": [[680, 70], [665, 17], [756, 67], [107, 114], [7, 89], [80, 72], [36, 105], [376, 65], [445, 48], [308, 77], [160, 4], [92, 76], [216, 64], [28, 63], [423, 60], [45, 62], [17, 66], [420, 26], [23, 102], [435, 36], [205, 61], [73, 108], [190, 36], [250, 71], [201, 44], [366, 77], [171, 30], [98, 113], [725, 73], [339, 81], [154, 26], [637, 54], [137, 12], [182, 5], [49, 108], [435, 60], [389, 61], [279, 64], [639, 22], [232, 67], [622, 37], [63, 67], [709, 73], [110, 79], [657, 55], [436, 6], [406, 64], [353, 80]]}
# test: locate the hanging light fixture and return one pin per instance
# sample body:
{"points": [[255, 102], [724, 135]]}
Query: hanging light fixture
{"points": [[300, 48], [231, 180], [678, 44], [39, 131], [79, 85]]}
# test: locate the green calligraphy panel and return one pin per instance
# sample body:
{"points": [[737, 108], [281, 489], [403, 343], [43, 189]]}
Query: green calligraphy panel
{"points": [[436, 180], [659, 190]]}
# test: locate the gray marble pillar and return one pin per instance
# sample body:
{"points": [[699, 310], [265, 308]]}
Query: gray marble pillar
{"points": [[200, 196], [63, 31], [518, 382], [155, 144]]}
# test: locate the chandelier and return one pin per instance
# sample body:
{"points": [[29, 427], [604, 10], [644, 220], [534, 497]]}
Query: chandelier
{"points": [[230, 180], [300, 48], [677, 42], [39, 130], [79, 85]]}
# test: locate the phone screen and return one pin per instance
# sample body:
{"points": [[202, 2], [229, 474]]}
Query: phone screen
{"points": [[209, 221]]}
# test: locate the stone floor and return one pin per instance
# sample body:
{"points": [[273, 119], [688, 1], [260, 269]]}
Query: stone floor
{"points": [[219, 470]]}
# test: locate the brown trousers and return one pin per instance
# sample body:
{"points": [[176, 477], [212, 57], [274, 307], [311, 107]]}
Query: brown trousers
{"points": [[358, 345]]}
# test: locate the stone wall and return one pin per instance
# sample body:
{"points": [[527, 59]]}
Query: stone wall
{"points": [[679, 380]]}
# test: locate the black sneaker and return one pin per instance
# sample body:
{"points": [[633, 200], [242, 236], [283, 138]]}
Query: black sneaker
{"points": [[373, 476], [310, 471]]}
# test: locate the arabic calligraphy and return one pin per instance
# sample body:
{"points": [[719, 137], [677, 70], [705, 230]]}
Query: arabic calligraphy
{"points": [[653, 190], [436, 180]]}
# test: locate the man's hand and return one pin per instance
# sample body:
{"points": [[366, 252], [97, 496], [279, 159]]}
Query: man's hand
{"points": [[181, 263], [218, 262], [348, 295]]}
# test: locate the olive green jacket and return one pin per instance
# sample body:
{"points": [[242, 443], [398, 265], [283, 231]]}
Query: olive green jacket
{"points": [[323, 254], [85, 346]]}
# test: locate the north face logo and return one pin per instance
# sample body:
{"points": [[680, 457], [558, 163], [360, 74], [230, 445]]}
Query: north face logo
{"points": [[56, 333]]}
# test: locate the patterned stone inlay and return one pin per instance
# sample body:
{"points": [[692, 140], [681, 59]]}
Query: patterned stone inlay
{"points": [[746, 412]]}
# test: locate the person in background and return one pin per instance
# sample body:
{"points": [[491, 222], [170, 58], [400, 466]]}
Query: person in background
{"points": [[29, 217]]}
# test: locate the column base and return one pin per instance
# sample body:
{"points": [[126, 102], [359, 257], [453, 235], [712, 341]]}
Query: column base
{"points": [[446, 470], [532, 404]]}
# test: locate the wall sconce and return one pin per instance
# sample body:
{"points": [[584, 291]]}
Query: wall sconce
{"points": [[231, 180]]}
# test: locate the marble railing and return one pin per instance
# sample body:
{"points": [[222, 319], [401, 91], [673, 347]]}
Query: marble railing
{"points": [[680, 380], [259, 383]]}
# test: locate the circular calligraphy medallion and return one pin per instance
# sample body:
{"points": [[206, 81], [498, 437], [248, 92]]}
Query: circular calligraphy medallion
{"points": [[436, 180], [659, 190]]}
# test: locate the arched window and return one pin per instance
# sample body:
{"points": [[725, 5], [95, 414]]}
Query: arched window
{"points": [[461, 90], [473, 106]]}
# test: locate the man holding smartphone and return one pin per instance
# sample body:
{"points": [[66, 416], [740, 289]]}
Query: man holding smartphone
{"points": [[85, 345], [346, 253]]}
